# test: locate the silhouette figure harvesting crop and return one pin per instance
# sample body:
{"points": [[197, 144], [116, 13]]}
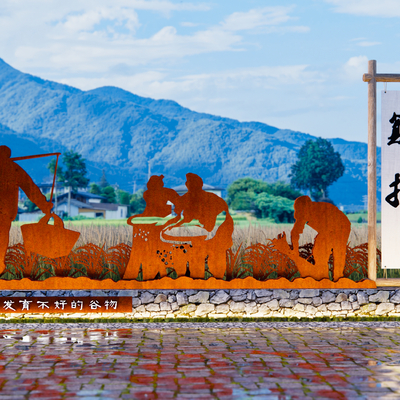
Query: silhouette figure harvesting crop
{"points": [[333, 229], [13, 177]]}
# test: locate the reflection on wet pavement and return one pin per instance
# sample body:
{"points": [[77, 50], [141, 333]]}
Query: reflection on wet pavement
{"points": [[200, 363]]}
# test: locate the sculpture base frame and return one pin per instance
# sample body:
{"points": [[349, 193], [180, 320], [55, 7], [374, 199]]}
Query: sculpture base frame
{"points": [[83, 283]]}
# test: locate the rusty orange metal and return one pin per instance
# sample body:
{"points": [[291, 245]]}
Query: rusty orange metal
{"points": [[13, 177], [155, 250], [159, 250], [333, 229]]}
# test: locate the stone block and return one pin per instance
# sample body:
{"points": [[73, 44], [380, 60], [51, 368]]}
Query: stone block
{"points": [[140, 309], [322, 308], [181, 298], [263, 293], [152, 307], [309, 293], [216, 315], [220, 297], [100, 293], [191, 292], [299, 307], [362, 298], [311, 310], [250, 308], [305, 300], [160, 298], [346, 305], [174, 306], [238, 292], [280, 294], [189, 308], [352, 298], [273, 305], [355, 305], [204, 309], [334, 307], [242, 297], [381, 297], [251, 295], [236, 307], [384, 308], [396, 297], [262, 300], [263, 310], [222, 309], [132, 293], [286, 303], [328, 297], [171, 298], [36, 293], [199, 298], [146, 298], [294, 294], [136, 302], [165, 306], [316, 301], [341, 297], [368, 308]]}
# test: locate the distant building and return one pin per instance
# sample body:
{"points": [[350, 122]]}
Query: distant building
{"points": [[182, 189], [82, 203]]}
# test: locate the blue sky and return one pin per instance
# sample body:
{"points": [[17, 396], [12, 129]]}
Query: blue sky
{"points": [[291, 64]]}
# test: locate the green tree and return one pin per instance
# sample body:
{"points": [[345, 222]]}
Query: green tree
{"points": [[317, 167], [137, 203], [277, 208], [109, 194], [241, 193], [103, 180], [123, 197], [75, 171], [95, 189]]}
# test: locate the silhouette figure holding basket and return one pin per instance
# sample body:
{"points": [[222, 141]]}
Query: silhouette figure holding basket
{"points": [[13, 177]]}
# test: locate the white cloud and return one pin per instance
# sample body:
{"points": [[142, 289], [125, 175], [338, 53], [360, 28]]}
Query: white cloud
{"points": [[355, 67], [368, 44], [255, 18], [372, 8]]}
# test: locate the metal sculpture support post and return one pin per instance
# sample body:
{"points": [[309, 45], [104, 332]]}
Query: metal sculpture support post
{"points": [[372, 78]]}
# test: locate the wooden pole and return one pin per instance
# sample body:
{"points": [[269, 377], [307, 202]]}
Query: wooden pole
{"points": [[372, 170]]}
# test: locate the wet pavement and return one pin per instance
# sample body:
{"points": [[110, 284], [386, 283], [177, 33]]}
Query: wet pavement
{"points": [[200, 361]]}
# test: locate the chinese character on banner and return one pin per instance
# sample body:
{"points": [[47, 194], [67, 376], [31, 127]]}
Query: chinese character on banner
{"points": [[77, 304], [112, 304], [25, 304], [94, 304], [58, 304], [42, 304], [395, 121], [8, 305], [392, 198]]}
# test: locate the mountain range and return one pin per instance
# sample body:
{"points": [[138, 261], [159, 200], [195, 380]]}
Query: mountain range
{"points": [[123, 134]]}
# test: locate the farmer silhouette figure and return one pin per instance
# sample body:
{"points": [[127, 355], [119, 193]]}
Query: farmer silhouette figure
{"points": [[13, 177], [333, 229]]}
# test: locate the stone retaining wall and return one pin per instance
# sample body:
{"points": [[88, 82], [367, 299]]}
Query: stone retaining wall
{"points": [[235, 303]]}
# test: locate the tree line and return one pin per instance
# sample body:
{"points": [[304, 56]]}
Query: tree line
{"points": [[316, 168]]}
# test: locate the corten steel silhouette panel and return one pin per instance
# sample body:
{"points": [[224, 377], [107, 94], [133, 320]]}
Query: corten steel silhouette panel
{"points": [[159, 250]]}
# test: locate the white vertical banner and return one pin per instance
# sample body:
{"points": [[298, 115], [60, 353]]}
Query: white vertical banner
{"points": [[390, 179]]}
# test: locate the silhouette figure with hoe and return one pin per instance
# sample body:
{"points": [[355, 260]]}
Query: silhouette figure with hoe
{"points": [[13, 177], [333, 229]]}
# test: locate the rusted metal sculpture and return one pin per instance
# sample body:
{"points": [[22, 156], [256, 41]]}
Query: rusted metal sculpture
{"points": [[13, 177], [156, 250], [333, 229], [161, 256]]}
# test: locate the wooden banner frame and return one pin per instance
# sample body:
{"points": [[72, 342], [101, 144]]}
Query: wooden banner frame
{"points": [[372, 78]]}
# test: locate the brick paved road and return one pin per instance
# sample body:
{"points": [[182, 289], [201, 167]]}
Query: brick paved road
{"points": [[198, 362]]}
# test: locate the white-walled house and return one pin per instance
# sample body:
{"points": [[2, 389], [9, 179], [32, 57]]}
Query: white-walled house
{"points": [[82, 203]]}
